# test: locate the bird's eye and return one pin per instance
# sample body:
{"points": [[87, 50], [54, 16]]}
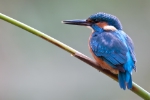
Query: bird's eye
{"points": [[89, 20], [92, 20]]}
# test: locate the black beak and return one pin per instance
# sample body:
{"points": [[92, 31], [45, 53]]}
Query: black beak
{"points": [[77, 22]]}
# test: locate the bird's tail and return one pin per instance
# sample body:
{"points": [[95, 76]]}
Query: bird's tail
{"points": [[125, 80]]}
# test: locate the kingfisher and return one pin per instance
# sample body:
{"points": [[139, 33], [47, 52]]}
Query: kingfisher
{"points": [[110, 46]]}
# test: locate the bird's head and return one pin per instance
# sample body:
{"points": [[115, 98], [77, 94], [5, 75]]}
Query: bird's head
{"points": [[98, 20]]}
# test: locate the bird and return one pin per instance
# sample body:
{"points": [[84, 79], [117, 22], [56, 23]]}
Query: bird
{"points": [[110, 46]]}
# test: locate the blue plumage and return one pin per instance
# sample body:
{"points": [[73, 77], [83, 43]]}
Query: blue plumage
{"points": [[111, 47], [107, 45], [115, 48], [115, 51], [104, 17]]}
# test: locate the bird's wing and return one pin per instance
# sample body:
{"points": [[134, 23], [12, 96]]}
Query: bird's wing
{"points": [[106, 45], [131, 47]]}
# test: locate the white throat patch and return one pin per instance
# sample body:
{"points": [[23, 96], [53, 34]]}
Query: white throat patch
{"points": [[109, 28]]}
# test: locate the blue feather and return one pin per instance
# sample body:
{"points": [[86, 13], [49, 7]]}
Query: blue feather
{"points": [[121, 78], [107, 45], [105, 17], [125, 79], [115, 48]]}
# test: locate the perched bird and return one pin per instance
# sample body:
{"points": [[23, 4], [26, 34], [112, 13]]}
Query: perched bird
{"points": [[110, 46]]}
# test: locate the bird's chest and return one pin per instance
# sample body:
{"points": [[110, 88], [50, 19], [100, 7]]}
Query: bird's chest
{"points": [[100, 61]]}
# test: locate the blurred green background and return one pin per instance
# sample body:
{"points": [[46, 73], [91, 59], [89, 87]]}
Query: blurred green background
{"points": [[33, 69]]}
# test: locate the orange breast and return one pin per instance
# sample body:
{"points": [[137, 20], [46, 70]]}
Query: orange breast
{"points": [[101, 62]]}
